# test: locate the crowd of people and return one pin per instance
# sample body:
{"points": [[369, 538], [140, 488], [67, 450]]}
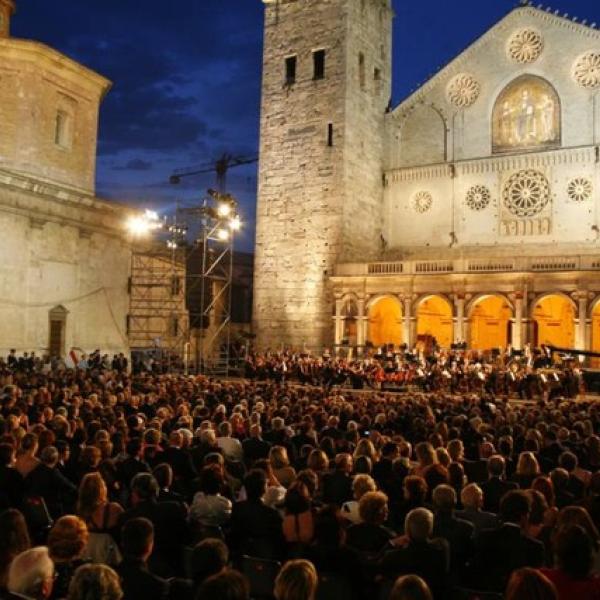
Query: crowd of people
{"points": [[164, 486]]}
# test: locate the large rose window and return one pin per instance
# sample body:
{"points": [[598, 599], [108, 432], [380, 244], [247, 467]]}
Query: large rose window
{"points": [[526, 193]]}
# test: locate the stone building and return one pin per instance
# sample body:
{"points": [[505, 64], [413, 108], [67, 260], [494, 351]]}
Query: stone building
{"points": [[65, 260], [469, 212]]}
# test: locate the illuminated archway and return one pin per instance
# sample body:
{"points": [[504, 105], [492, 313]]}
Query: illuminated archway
{"points": [[596, 333], [490, 323], [385, 321], [434, 318], [554, 321]]}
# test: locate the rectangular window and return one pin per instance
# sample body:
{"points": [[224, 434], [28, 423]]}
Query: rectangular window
{"points": [[319, 64], [330, 134], [290, 70], [175, 285], [361, 70], [62, 129]]}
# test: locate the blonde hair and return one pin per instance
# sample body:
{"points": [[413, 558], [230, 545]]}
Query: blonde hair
{"points": [[372, 507], [95, 582], [92, 494], [527, 464], [363, 484], [297, 580], [279, 457], [366, 448]]}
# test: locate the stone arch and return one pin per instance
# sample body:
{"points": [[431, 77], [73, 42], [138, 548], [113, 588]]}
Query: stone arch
{"points": [[434, 319], [385, 314], [526, 115], [423, 137], [552, 317], [490, 319]]}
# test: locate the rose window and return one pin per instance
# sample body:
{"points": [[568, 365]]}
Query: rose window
{"points": [[525, 46], [463, 90], [422, 201], [586, 70], [526, 193], [579, 189], [478, 197]]}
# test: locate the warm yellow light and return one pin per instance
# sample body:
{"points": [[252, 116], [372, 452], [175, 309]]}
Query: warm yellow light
{"points": [[140, 225], [223, 234], [235, 223], [224, 209]]}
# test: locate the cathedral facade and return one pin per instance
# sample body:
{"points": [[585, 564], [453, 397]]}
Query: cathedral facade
{"points": [[467, 213], [65, 257]]}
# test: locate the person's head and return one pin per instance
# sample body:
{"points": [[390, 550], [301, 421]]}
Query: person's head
{"points": [[568, 461], [344, 463], [559, 478], [456, 450], [137, 538], [471, 497], [144, 488], [573, 551], [255, 484], [49, 456], [515, 507], [544, 485], [425, 454], [92, 494], [496, 466], [227, 585], [95, 582], [67, 539], [279, 457], [29, 443], [530, 584], [31, 574], [317, 461], [444, 498], [373, 508], [14, 536], [362, 484], [410, 587], [297, 580], [577, 515], [163, 473], [211, 480], [527, 465], [209, 557], [297, 499], [418, 524]]}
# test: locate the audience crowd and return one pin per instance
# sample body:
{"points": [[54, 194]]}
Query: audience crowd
{"points": [[159, 486]]}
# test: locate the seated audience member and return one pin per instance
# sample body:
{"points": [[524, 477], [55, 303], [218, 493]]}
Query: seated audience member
{"points": [[209, 557], [472, 501], [530, 584], [577, 515], [230, 446], [11, 481], [414, 491], [163, 473], [284, 472], [27, 459], [209, 508], [256, 527], [31, 575], [578, 478], [457, 532], [370, 536], [14, 539], [410, 587], [418, 554], [255, 447], [496, 485], [93, 506], [337, 485], [95, 582], [227, 585], [67, 541], [573, 564], [361, 484], [138, 582], [297, 580], [298, 523], [502, 550], [527, 470], [168, 518]]}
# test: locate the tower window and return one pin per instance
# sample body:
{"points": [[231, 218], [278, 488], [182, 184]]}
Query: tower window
{"points": [[319, 64], [290, 70], [361, 70], [330, 134], [62, 129]]}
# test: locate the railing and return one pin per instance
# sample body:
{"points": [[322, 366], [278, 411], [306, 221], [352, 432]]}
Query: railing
{"points": [[471, 265]]}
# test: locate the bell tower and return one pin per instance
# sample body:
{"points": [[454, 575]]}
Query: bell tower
{"points": [[326, 85], [7, 10]]}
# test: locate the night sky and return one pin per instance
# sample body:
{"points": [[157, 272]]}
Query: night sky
{"points": [[186, 79]]}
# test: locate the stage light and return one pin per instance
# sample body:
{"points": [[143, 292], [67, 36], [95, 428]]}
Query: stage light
{"points": [[140, 225], [223, 234], [235, 223], [224, 209]]}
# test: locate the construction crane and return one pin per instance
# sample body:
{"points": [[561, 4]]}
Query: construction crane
{"points": [[219, 166]]}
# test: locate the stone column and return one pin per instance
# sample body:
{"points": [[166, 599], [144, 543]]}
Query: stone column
{"points": [[407, 334], [459, 318], [338, 320], [580, 335], [361, 325], [517, 323]]}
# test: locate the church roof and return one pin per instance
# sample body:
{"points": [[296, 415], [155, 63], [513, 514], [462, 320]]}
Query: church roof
{"points": [[544, 13]]}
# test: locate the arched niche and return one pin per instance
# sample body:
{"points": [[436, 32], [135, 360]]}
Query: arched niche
{"points": [[423, 137], [526, 116]]}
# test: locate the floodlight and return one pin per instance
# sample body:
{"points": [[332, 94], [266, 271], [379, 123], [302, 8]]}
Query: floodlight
{"points": [[235, 223], [224, 209], [223, 234]]}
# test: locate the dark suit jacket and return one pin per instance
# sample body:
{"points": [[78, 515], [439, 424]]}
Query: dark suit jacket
{"points": [[255, 525], [58, 492], [181, 463], [493, 490], [337, 488], [254, 449], [428, 559], [459, 534], [480, 518], [500, 551], [139, 583], [11, 488]]}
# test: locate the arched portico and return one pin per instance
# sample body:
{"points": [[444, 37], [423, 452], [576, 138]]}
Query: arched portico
{"points": [[385, 320], [553, 321], [434, 320], [490, 319]]}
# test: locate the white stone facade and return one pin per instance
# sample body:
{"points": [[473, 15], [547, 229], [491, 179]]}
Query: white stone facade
{"points": [[489, 182]]}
